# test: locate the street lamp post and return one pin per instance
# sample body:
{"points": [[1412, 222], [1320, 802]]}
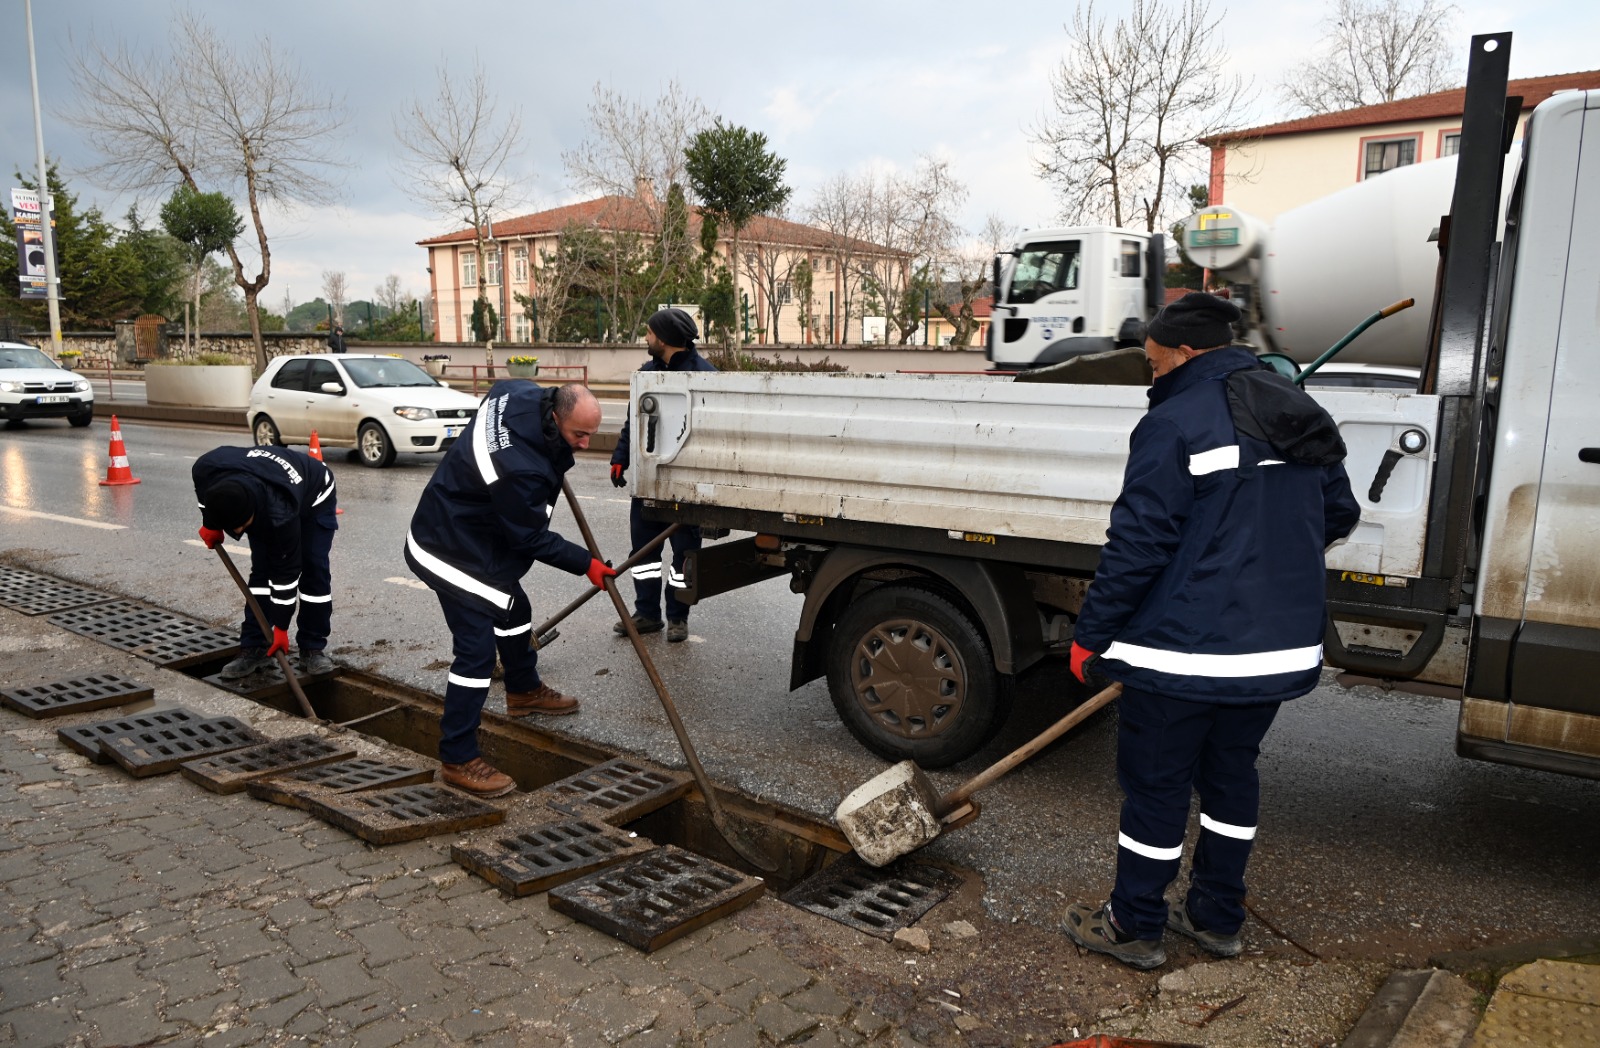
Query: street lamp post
{"points": [[52, 293]]}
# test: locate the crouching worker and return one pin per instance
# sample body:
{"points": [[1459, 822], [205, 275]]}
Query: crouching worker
{"points": [[283, 501], [482, 521]]}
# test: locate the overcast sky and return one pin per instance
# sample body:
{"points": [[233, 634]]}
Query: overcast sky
{"points": [[835, 86]]}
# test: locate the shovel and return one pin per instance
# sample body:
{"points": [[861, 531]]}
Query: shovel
{"points": [[547, 633], [266, 630], [730, 833], [897, 812]]}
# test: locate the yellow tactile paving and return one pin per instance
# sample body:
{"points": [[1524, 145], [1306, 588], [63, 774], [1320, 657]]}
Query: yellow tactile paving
{"points": [[1546, 1004]]}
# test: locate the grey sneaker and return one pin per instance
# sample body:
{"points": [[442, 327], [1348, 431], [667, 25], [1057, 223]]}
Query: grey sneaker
{"points": [[1093, 930], [677, 631], [245, 663], [1214, 943], [313, 663], [642, 623]]}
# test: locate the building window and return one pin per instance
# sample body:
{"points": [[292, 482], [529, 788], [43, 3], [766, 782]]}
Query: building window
{"points": [[469, 268], [1450, 144], [521, 328], [785, 293], [828, 266], [1387, 155], [519, 265], [491, 266]]}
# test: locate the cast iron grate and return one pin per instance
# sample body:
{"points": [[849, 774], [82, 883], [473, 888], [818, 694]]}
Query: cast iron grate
{"points": [[34, 594], [878, 901], [160, 636], [18, 578], [406, 813], [657, 898], [230, 772], [78, 695], [268, 682], [544, 856], [178, 648], [617, 792], [85, 738], [156, 751], [299, 789]]}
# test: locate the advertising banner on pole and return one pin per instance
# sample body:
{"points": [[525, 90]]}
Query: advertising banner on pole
{"points": [[25, 212]]}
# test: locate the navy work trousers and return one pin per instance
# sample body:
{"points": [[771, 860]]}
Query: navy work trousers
{"points": [[315, 613], [647, 576], [1167, 748], [476, 634]]}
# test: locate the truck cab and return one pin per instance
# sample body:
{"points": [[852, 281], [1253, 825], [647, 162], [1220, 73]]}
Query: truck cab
{"points": [[1061, 293]]}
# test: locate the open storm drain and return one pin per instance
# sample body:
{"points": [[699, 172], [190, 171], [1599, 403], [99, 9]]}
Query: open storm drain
{"points": [[541, 857], [156, 751], [657, 898], [265, 683], [231, 772], [34, 594], [78, 695], [877, 901], [300, 789], [85, 738], [616, 792]]}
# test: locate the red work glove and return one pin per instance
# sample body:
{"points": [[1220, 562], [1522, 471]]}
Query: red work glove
{"points": [[280, 642], [211, 538], [1080, 661], [617, 478], [598, 573]]}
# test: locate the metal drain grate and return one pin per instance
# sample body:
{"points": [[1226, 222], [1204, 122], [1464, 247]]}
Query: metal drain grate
{"points": [[34, 594], [877, 901], [407, 813], [151, 633], [617, 792], [156, 751], [267, 683], [78, 695], [18, 578], [178, 649], [542, 857], [230, 772], [655, 899], [85, 738], [300, 789]]}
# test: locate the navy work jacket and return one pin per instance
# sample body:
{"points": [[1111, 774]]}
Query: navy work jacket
{"points": [[291, 490], [683, 360], [484, 518], [1211, 584]]}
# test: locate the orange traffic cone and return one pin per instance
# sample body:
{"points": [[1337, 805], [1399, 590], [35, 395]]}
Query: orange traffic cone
{"points": [[315, 451], [118, 472]]}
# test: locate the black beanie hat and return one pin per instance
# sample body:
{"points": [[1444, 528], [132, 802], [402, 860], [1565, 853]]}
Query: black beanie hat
{"points": [[226, 505], [674, 327], [1196, 320]]}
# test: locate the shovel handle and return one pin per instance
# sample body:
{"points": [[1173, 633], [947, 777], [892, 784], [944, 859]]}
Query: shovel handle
{"points": [[644, 551], [958, 796], [266, 630]]}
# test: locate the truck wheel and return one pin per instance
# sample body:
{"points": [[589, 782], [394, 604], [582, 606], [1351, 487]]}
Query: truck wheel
{"points": [[913, 678]]}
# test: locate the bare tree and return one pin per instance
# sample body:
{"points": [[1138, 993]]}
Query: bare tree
{"points": [[1129, 103], [839, 207], [1376, 51], [243, 122], [769, 263], [967, 275], [454, 151], [390, 296], [334, 290], [912, 216]]}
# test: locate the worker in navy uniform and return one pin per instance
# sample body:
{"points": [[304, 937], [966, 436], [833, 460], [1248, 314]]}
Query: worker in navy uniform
{"points": [[284, 502], [1208, 607], [481, 523], [669, 335]]}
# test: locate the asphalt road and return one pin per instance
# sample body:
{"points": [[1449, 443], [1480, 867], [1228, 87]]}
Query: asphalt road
{"points": [[1376, 840]]}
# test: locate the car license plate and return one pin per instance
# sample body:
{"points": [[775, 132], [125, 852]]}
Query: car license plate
{"points": [[452, 431], [54, 400]]}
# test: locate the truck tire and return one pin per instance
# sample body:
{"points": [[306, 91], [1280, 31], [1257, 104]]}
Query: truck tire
{"points": [[912, 677]]}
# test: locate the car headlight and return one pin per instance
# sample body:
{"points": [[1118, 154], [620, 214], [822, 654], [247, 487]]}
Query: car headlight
{"points": [[415, 414], [10, 387], [81, 386]]}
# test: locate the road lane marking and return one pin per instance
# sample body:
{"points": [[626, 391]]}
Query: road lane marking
{"points": [[413, 583], [102, 525], [238, 551]]}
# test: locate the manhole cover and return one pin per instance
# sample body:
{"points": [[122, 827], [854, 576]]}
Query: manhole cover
{"points": [[156, 751], [656, 898], [300, 789], [85, 738], [41, 595], [618, 791], [230, 772], [268, 682], [542, 857], [406, 813], [878, 901], [78, 695]]}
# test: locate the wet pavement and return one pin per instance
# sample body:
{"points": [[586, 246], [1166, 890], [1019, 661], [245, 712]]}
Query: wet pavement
{"points": [[1379, 847]]}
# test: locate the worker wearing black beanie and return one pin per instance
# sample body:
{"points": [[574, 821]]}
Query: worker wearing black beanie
{"points": [[1197, 320]]}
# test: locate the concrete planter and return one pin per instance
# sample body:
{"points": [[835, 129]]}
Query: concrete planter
{"points": [[522, 370], [199, 385]]}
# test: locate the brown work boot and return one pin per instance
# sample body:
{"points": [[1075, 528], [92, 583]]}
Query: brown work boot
{"points": [[543, 699], [478, 777]]}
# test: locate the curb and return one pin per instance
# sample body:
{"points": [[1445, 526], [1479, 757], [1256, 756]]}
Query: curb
{"points": [[1426, 1008]]}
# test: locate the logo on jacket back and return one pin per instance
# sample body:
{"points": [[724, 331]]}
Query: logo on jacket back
{"points": [[288, 467], [492, 419]]}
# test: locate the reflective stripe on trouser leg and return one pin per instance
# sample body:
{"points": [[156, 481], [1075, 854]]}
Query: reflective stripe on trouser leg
{"points": [[512, 638], [1230, 794], [315, 617], [1158, 743], [683, 541], [646, 576], [473, 644]]}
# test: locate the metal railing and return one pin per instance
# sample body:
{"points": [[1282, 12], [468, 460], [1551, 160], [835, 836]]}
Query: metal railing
{"points": [[486, 373]]}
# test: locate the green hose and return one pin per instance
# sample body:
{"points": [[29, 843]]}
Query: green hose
{"points": [[1332, 350]]}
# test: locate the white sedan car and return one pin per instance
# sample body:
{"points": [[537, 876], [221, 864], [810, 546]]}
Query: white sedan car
{"points": [[376, 404], [34, 386]]}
